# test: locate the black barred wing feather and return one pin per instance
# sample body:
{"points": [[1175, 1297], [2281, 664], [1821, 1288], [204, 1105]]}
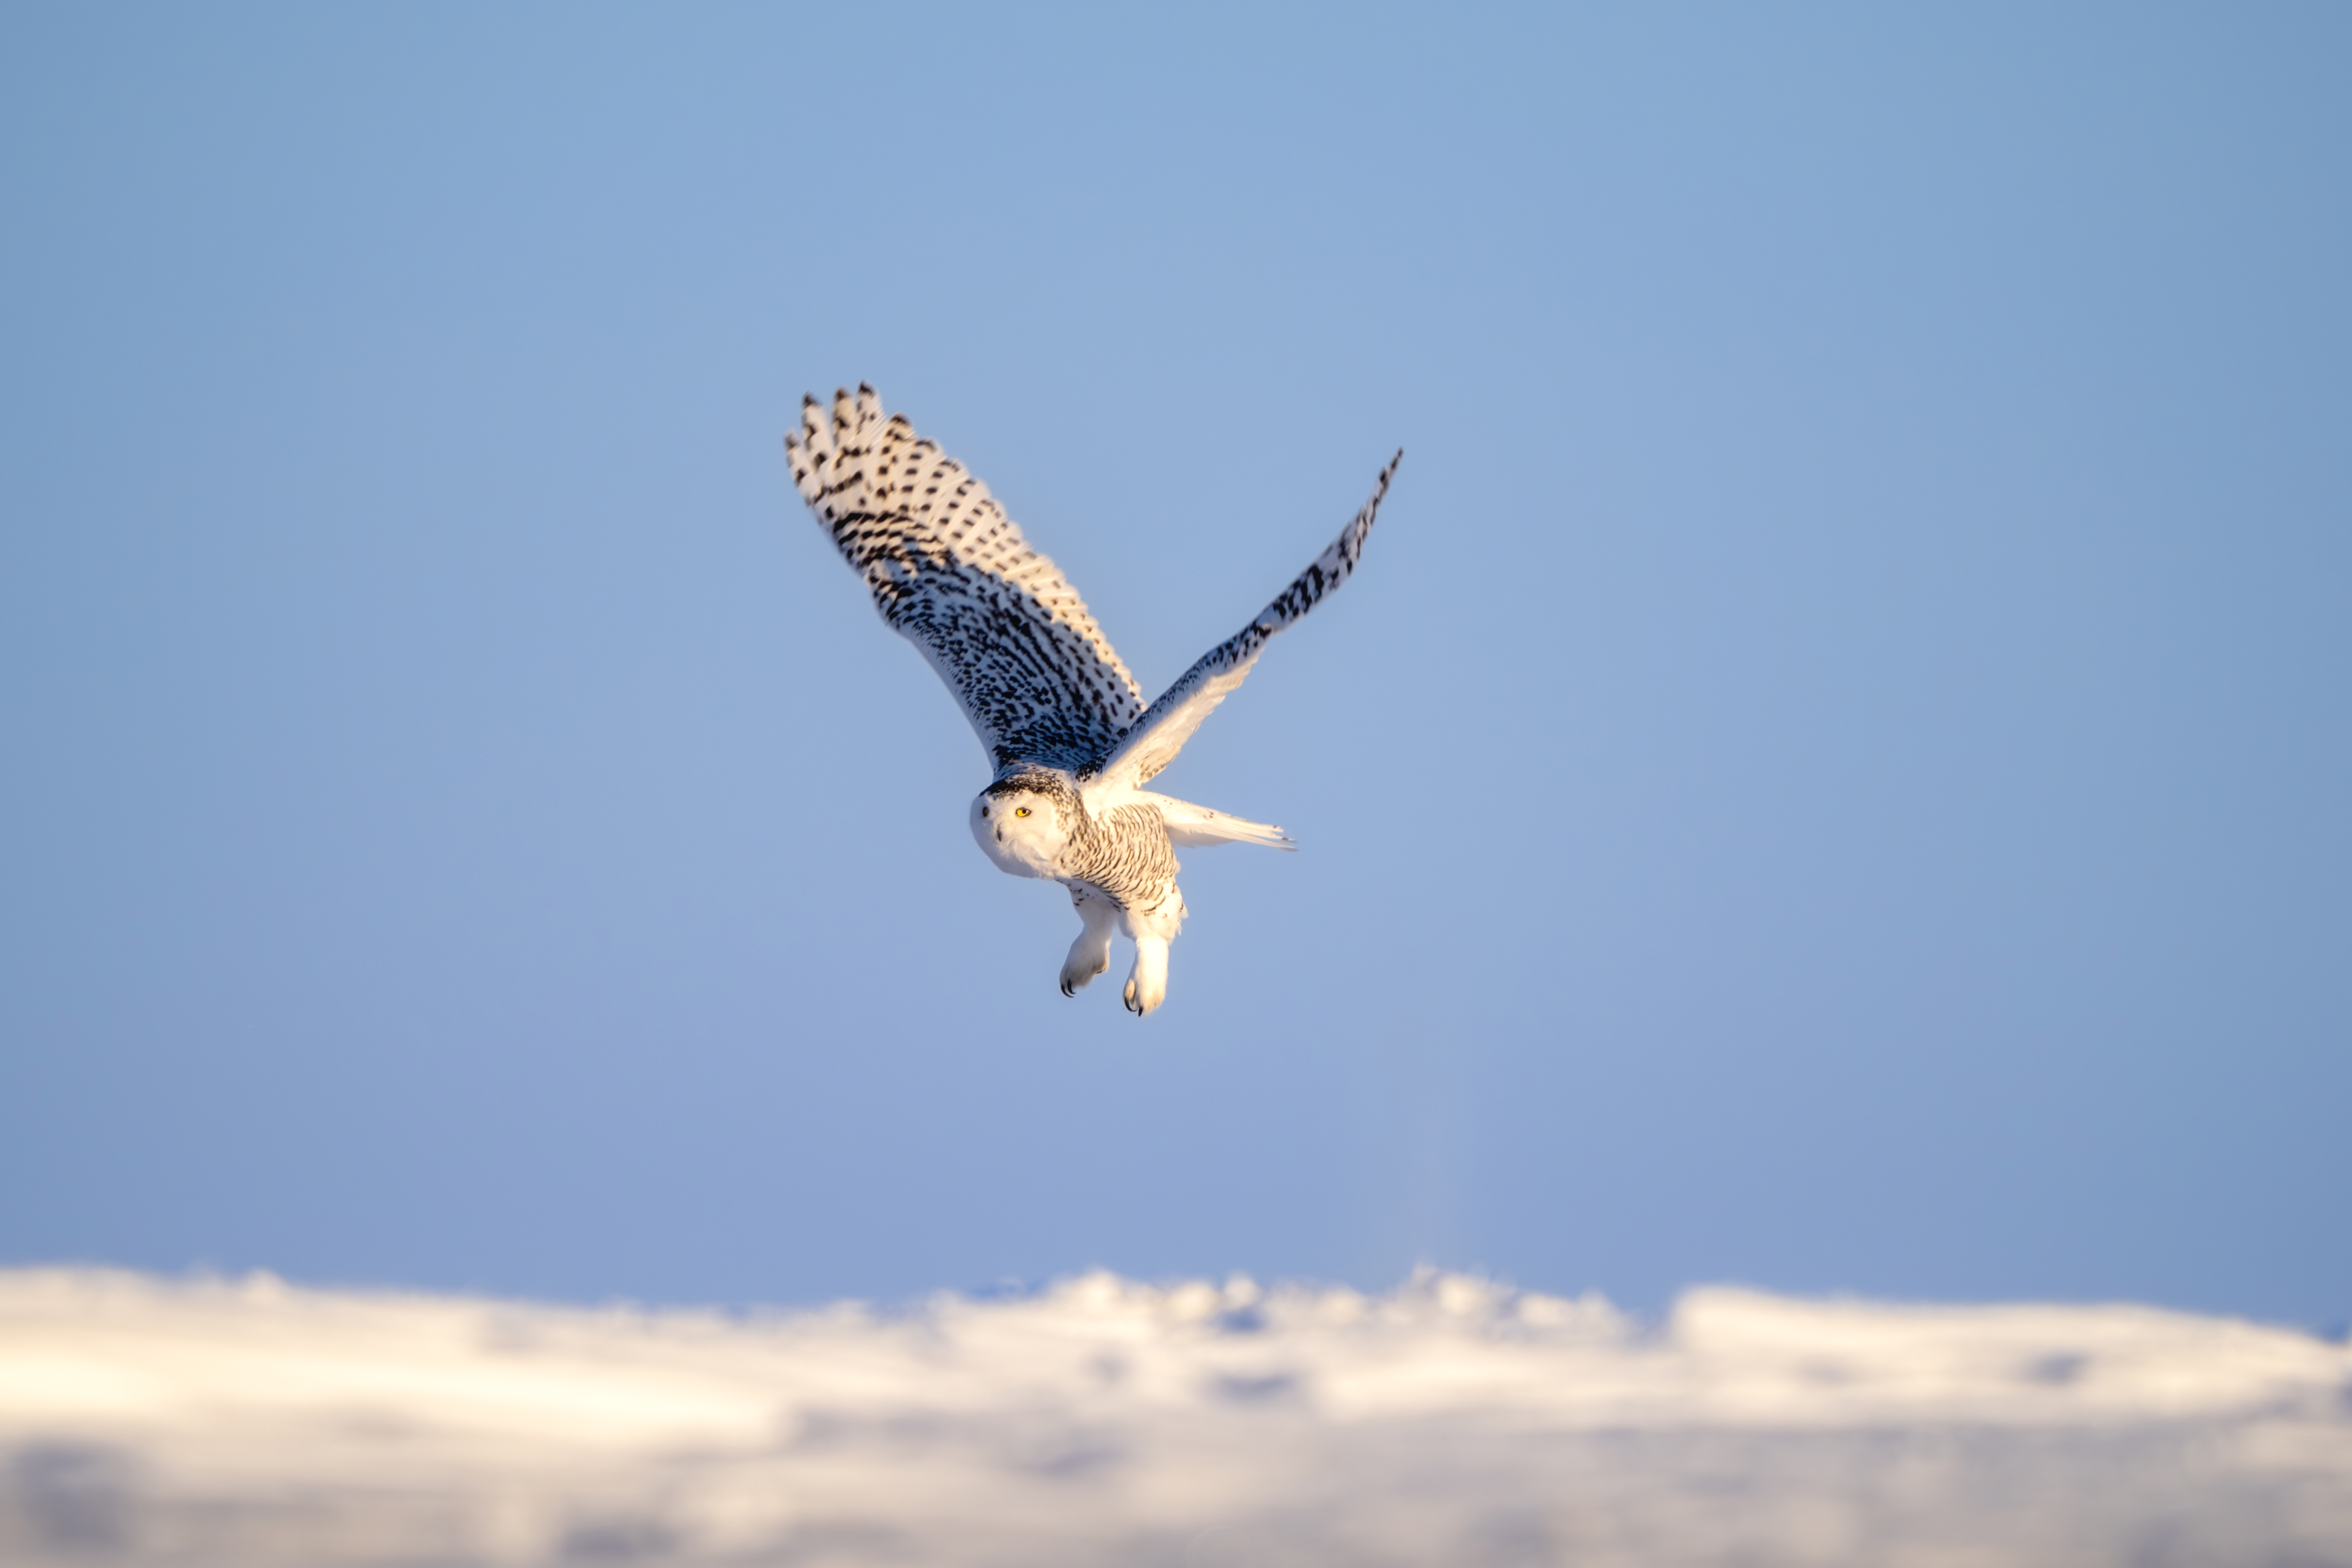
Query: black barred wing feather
{"points": [[951, 573], [1154, 742]]}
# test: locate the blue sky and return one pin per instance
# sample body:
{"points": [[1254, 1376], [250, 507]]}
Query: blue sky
{"points": [[1832, 774]]}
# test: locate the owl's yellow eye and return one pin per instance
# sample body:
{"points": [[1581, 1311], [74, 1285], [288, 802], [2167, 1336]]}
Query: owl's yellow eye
{"points": [[1020, 811]]}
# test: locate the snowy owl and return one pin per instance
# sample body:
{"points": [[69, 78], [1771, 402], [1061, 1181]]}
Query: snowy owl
{"points": [[1063, 722]]}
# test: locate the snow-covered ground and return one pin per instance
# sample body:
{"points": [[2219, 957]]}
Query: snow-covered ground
{"points": [[1451, 1422]]}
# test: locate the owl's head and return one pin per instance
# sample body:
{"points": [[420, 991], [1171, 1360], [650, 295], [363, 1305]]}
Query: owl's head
{"points": [[1023, 823]]}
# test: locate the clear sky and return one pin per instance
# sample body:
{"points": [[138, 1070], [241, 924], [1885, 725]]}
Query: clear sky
{"points": [[1832, 774]]}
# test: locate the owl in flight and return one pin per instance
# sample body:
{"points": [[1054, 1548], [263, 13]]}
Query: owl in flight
{"points": [[1063, 722]]}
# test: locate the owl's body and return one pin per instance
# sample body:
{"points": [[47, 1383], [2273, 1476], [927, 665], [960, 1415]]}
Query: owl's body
{"points": [[1065, 725]]}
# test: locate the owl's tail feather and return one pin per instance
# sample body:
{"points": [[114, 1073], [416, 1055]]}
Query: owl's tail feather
{"points": [[1197, 827]]}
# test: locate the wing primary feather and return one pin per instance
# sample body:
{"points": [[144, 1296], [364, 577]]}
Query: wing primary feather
{"points": [[948, 571], [1170, 721]]}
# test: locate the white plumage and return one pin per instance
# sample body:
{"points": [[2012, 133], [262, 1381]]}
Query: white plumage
{"points": [[1063, 723]]}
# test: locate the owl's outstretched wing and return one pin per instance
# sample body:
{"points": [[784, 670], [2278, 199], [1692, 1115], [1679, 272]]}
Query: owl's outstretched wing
{"points": [[951, 573], [1168, 723]]}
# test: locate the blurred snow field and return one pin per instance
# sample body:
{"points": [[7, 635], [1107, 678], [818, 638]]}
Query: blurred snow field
{"points": [[1451, 1422]]}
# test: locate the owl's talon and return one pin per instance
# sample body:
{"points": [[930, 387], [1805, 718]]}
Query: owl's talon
{"points": [[1147, 986], [1090, 955]]}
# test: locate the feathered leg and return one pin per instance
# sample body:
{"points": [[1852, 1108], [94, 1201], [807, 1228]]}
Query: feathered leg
{"points": [[1090, 955], [1147, 985]]}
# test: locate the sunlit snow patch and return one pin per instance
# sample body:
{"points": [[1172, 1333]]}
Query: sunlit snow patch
{"points": [[1451, 1422]]}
